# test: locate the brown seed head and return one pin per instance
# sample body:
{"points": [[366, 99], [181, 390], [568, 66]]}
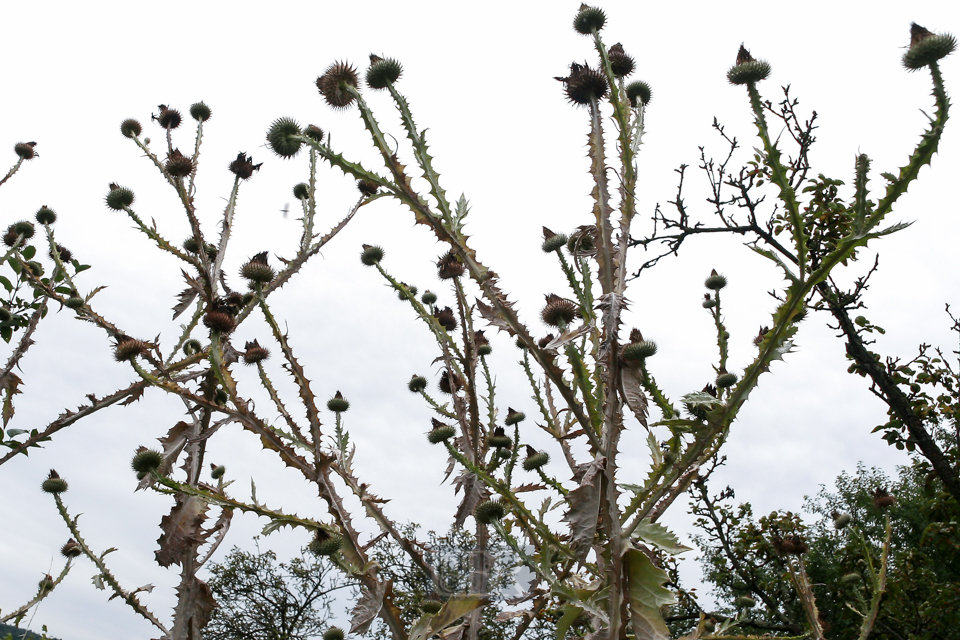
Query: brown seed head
{"points": [[446, 318], [743, 55], [759, 339], [449, 266], [168, 118], [334, 82], [128, 348], [450, 383], [243, 166], [882, 498], [635, 335], [559, 311], [544, 341], [254, 353], [65, 254], [918, 34], [584, 84], [220, 321], [25, 150], [178, 165], [367, 187], [621, 63]]}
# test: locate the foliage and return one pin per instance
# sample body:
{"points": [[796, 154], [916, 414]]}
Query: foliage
{"points": [[260, 599]]}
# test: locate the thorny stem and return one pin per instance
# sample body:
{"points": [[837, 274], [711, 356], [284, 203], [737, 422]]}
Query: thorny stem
{"points": [[18, 614]]}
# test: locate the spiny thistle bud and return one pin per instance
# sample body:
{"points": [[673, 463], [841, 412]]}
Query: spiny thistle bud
{"points": [[927, 47], [314, 132], [146, 460], [431, 606], [200, 112], [23, 228], [520, 344], [841, 520], [639, 93], [620, 63], [440, 432], [558, 311], [383, 72], [25, 150], [54, 483], [338, 404], [446, 318], [334, 82], [178, 165], [588, 20], [46, 215], [35, 268], [489, 511], [333, 633], [168, 118], [428, 297], [65, 254], [761, 335], [725, 380], [10, 236], [217, 471], [221, 397], [119, 197], [367, 187], [584, 84], [130, 128], [850, 578], [535, 459], [747, 70], [247, 298], [71, 549], [882, 498], [243, 166], [417, 383], [371, 255], [301, 191], [552, 241], [499, 439], [325, 543], [639, 350], [257, 270], [483, 345], [708, 302], [545, 340], [449, 266], [280, 137], [46, 584], [745, 602], [5, 315], [715, 282], [128, 348], [254, 353], [791, 546], [73, 302], [219, 320], [514, 417], [406, 291], [450, 383], [191, 347]]}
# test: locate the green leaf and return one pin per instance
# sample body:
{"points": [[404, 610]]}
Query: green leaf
{"points": [[82, 267], [454, 609], [570, 613], [6, 333], [29, 252], [6, 284], [699, 398], [646, 594], [660, 537], [15, 432]]}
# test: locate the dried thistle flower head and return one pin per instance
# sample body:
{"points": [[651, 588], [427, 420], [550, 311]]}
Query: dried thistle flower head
{"points": [[558, 311], [621, 64], [243, 166], [584, 84], [63, 253], [926, 47], [178, 165], [71, 549], [446, 318], [314, 132], [760, 336], [25, 150], [450, 383], [747, 70], [882, 498], [257, 269], [128, 348], [220, 320], [544, 341], [334, 82], [254, 353], [483, 345], [449, 266], [168, 118], [367, 187]]}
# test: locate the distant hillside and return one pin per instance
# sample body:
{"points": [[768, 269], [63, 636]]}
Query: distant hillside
{"points": [[8, 632]]}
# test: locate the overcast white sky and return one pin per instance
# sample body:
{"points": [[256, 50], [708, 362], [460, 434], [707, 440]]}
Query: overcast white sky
{"points": [[480, 76]]}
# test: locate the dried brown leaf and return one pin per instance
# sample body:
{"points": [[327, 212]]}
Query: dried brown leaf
{"points": [[181, 530], [584, 509]]}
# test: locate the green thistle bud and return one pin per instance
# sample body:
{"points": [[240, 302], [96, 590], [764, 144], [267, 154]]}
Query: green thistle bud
{"points": [[431, 606], [35, 268], [927, 47], [257, 270], [191, 347], [406, 291], [71, 549], [146, 460], [841, 520], [489, 511], [514, 417], [54, 483], [217, 471], [46, 215], [552, 241], [715, 282], [333, 633], [73, 302], [281, 137], [417, 383], [5, 315], [200, 112], [503, 453], [484, 350], [440, 432], [428, 297], [708, 302], [221, 397], [726, 380], [119, 197], [338, 404], [46, 584], [23, 228], [130, 128], [382, 72], [371, 255], [851, 578], [301, 191], [535, 459], [747, 70], [588, 20], [745, 602], [639, 350], [325, 543]]}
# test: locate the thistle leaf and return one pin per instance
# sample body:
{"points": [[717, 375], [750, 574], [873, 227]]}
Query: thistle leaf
{"points": [[646, 594]]}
